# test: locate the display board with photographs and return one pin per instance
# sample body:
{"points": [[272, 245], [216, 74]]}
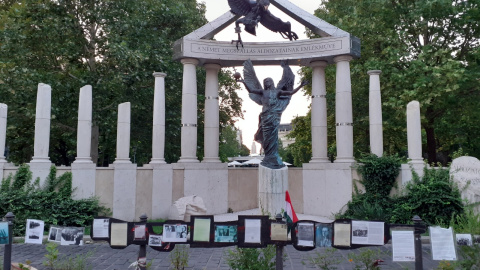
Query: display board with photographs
{"points": [[226, 233], [34, 231], [278, 232], [4, 237], [368, 232], [100, 228], [55, 234], [305, 234], [463, 239], [175, 233], [71, 236]]}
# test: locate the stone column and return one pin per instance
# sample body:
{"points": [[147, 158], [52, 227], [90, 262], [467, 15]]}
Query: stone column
{"points": [[3, 132], [83, 169], [40, 163], [319, 113], [414, 132], [375, 113], [158, 140], [189, 112], [343, 110], [42, 124], [123, 134], [84, 130], [212, 118]]}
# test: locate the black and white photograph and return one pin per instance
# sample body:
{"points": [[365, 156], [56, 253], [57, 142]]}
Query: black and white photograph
{"points": [[226, 233], [55, 234], [155, 240], [306, 234], [463, 239], [323, 233], [72, 236], [175, 233], [476, 239], [34, 231], [3, 233], [368, 232]]}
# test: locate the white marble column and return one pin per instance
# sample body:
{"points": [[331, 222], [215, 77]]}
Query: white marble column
{"points": [[189, 112], [123, 134], [319, 113], [375, 113], [84, 129], [3, 132], [212, 117], [158, 138], [83, 169], [42, 124], [414, 133], [343, 110]]}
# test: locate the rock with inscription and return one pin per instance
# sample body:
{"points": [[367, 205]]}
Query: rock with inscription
{"points": [[465, 171]]}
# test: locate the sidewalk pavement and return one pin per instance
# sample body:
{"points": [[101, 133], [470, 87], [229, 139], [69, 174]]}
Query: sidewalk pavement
{"points": [[104, 257]]}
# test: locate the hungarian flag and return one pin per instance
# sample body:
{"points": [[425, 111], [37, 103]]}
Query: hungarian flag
{"points": [[289, 212]]}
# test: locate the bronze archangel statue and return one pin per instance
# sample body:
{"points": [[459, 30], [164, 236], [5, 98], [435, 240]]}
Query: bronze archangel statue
{"points": [[274, 101], [255, 12]]}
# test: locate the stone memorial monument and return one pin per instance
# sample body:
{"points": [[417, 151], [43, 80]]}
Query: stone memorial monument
{"points": [[465, 171]]}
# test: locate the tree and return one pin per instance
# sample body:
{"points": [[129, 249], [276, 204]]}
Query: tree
{"points": [[427, 51], [229, 145], [113, 45]]}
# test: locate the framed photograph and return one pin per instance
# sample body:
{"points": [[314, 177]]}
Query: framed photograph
{"points": [[4, 233], [368, 232], [226, 234], [72, 236], [202, 228], [476, 239], [34, 231], [463, 239], [341, 233], [323, 234], [119, 234], [175, 233], [139, 232], [100, 228], [55, 234], [253, 231], [305, 234]]}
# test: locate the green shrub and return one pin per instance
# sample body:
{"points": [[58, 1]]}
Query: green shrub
{"points": [[252, 258], [51, 203], [434, 198]]}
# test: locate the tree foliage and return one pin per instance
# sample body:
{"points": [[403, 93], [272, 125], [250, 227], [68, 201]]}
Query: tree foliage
{"points": [[113, 45], [427, 51], [229, 145]]}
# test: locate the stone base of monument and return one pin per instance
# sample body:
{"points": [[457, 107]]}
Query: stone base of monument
{"points": [[40, 169], [83, 180], [272, 185], [124, 191]]}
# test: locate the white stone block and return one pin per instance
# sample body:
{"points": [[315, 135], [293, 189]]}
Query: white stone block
{"points": [[162, 188], [40, 170], [83, 180], [272, 185], [124, 191]]}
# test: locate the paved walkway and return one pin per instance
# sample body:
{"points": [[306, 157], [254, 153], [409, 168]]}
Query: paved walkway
{"points": [[103, 257]]}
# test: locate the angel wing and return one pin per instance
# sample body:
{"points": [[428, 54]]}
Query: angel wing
{"points": [[240, 7], [251, 80], [288, 78]]}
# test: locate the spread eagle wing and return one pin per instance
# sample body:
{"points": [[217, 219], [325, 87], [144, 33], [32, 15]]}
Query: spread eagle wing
{"points": [[285, 84], [288, 78], [251, 80], [273, 23], [240, 7]]}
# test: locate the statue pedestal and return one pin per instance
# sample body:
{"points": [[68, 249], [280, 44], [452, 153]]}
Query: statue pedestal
{"points": [[272, 185]]}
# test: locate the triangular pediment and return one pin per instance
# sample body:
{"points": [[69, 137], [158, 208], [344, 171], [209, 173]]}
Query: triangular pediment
{"points": [[315, 24]]}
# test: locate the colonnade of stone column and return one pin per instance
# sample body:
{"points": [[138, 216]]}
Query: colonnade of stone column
{"points": [[343, 110], [123, 134], [414, 132], [84, 130], [189, 111], [42, 124], [3, 131], [212, 118], [375, 113], [158, 133], [319, 113]]}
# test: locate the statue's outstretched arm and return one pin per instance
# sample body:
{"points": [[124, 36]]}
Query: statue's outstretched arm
{"points": [[290, 93]]}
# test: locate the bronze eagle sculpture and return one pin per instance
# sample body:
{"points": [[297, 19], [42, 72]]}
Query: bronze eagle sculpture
{"points": [[254, 12]]}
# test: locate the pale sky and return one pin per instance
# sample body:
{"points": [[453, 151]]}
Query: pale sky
{"points": [[299, 103]]}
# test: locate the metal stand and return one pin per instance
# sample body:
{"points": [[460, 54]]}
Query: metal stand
{"points": [[419, 229], [7, 255], [279, 249], [142, 253]]}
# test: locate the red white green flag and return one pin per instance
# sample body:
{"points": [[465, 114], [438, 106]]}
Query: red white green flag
{"points": [[289, 212]]}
